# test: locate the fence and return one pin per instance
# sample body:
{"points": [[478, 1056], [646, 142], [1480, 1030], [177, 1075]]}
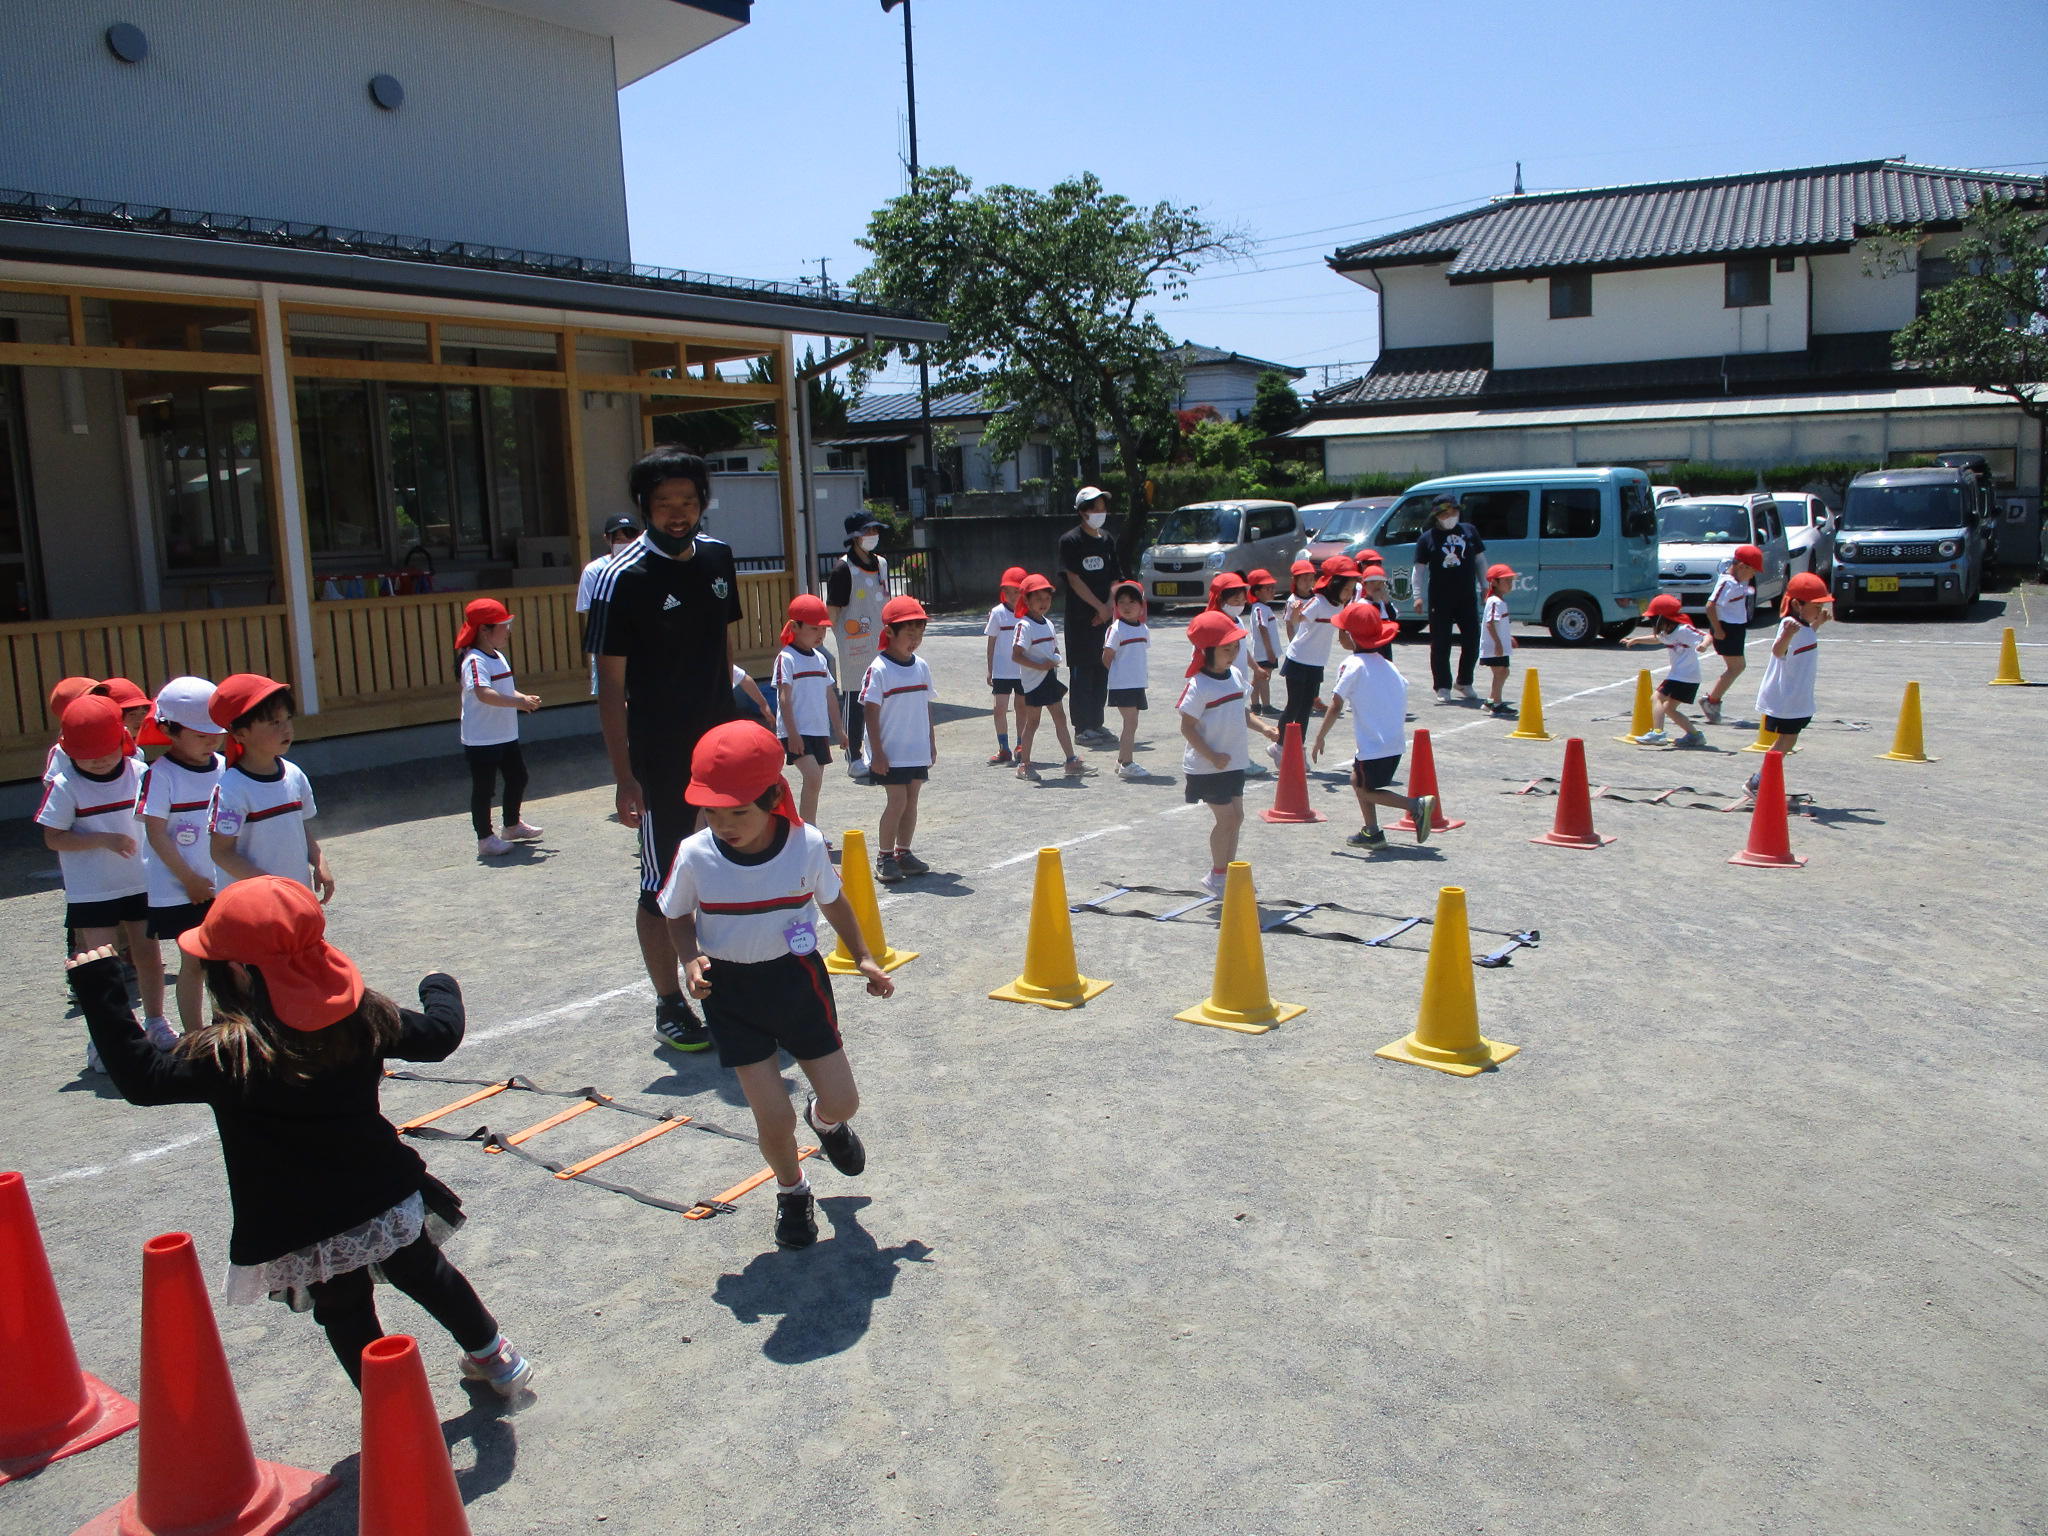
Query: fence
{"points": [[910, 573]]}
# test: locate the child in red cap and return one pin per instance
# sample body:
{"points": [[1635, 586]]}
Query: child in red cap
{"points": [[1005, 677], [63, 694], [896, 698], [1378, 695], [1035, 647], [1309, 641], [264, 804], [1729, 607], [1670, 628], [1126, 654], [177, 820], [1216, 721], [806, 695], [742, 900], [1785, 698], [1264, 635], [491, 707], [326, 1197], [91, 819], [1496, 644]]}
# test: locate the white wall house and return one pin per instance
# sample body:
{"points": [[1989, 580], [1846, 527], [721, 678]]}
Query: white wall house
{"points": [[1226, 381]]}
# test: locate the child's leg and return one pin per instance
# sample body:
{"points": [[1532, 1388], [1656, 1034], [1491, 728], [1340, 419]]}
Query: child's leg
{"points": [[1059, 726], [812, 776], [191, 993], [1223, 835], [1365, 803], [832, 1081], [1002, 718], [1129, 739], [1371, 799], [1027, 727], [149, 968], [892, 816], [774, 1118], [443, 1293], [483, 779], [1500, 681], [1731, 668], [1676, 716], [346, 1308], [906, 816], [513, 763]]}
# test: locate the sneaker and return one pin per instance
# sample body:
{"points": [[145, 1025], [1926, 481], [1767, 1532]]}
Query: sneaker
{"points": [[1273, 754], [92, 1061], [1075, 767], [1753, 783], [676, 1027], [796, 1218], [161, 1034], [1657, 738], [1025, 770], [1468, 694], [1002, 759], [1212, 882], [1099, 736], [504, 1370], [521, 832], [1711, 708], [492, 847], [1422, 809], [1692, 739], [1443, 695], [888, 870], [1367, 837], [856, 767], [1131, 771], [910, 863], [842, 1148]]}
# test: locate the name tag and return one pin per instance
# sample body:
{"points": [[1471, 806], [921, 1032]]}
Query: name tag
{"points": [[1091, 562], [228, 823], [187, 835], [801, 937]]}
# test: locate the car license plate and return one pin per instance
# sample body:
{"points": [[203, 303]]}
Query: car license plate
{"points": [[1167, 588], [1882, 584]]}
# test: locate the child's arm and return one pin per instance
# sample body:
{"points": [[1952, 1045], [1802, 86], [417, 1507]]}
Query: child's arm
{"points": [[158, 830], [143, 1073], [1783, 647], [785, 711], [839, 913], [69, 840], [225, 856], [323, 880], [1329, 719], [752, 690], [878, 758], [990, 668], [1023, 657], [433, 1033], [1270, 732], [682, 933], [1108, 658], [1192, 730]]}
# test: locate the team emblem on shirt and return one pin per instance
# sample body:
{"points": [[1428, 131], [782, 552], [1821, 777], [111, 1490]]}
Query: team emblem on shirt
{"points": [[719, 588]]}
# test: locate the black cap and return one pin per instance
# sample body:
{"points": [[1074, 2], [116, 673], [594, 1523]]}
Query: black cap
{"points": [[860, 522], [620, 524]]}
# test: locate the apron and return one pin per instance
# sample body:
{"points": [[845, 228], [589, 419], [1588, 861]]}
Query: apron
{"points": [[859, 631]]}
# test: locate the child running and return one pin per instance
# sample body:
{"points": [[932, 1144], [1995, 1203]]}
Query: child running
{"points": [[1378, 695], [491, 707], [1127, 653], [1495, 642], [177, 819], [1308, 651], [91, 819], [1670, 628], [805, 693], [1036, 648], [1301, 588], [1786, 697], [1216, 721], [1728, 610], [1004, 676], [263, 805], [742, 901], [326, 1198], [896, 697], [1264, 631]]}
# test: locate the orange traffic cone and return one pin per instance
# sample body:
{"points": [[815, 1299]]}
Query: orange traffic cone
{"points": [[196, 1472], [408, 1483], [1290, 795], [53, 1409], [1770, 833], [1422, 781], [1573, 826]]}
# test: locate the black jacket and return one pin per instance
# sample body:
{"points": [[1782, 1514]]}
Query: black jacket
{"points": [[305, 1161]]}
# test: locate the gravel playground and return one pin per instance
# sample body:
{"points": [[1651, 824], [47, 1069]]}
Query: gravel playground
{"points": [[1748, 1237]]}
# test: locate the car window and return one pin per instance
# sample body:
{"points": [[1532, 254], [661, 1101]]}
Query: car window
{"points": [[1702, 522], [1406, 521], [1793, 513], [1497, 515], [1200, 525], [1638, 517], [1773, 529], [1572, 513]]}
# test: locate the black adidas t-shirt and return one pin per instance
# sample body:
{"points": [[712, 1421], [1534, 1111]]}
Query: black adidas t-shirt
{"points": [[668, 619]]}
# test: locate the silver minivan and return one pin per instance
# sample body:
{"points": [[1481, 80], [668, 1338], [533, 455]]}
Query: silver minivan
{"points": [[1195, 542], [1696, 541]]}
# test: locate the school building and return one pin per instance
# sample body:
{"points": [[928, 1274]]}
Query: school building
{"points": [[318, 320]]}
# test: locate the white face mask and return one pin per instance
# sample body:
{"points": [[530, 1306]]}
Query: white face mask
{"points": [[868, 541], [1094, 519], [1234, 604]]}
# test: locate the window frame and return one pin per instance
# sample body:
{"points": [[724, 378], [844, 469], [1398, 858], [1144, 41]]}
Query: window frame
{"points": [[1599, 505], [1576, 290], [1733, 271]]}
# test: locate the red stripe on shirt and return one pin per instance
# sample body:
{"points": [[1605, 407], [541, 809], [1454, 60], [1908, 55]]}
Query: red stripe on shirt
{"points": [[890, 693], [189, 805], [1228, 698], [105, 810], [286, 809], [1140, 640], [751, 908], [1801, 650]]}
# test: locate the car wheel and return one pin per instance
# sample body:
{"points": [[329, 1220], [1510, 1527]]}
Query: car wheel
{"points": [[1574, 621]]}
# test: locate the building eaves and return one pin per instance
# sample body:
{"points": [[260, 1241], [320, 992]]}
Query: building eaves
{"points": [[1189, 355], [880, 410]]}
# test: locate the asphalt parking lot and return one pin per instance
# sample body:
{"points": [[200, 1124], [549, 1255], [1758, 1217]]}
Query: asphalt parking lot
{"points": [[1748, 1237]]}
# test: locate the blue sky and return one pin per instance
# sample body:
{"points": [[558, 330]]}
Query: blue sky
{"points": [[1301, 123]]}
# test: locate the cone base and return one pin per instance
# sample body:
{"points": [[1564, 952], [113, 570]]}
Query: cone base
{"points": [[1470, 1063], [2008, 682], [1906, 757], [1785, 752], [111, 1414], [282, 1495], [1630, 739], [1769, 861], [1530, 736], [1436, 824], [1292, 817], [1244, 1023], [1022, 991], [888, 960], [1562, 840]]}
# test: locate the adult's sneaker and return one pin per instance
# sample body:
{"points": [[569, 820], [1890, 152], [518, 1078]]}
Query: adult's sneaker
{"points": [[522, 832], [1467, 694], [504, 1370], [678, 1028], [492, 847], [856, 767], [842, 1148], [1443, 695], [796, 1218]]}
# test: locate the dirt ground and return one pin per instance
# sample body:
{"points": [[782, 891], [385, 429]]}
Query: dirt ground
{"points": [[1748, 1237]]}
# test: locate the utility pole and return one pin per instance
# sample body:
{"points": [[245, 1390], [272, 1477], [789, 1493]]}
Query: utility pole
{"points": [[924, 370]]}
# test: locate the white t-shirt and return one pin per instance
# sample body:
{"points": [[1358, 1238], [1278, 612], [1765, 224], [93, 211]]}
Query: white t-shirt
{"points": [[808, 677], [1037, 639], [1730, 599], [1130, 648], [1265, 635], [183, 797], [1376, 694], [1787, 689], [267, 818], [1002, 624], [487, 725], [1217, 705], [904, 690], [587, 587], [752, 908], [1493, 628], [1310, 646], [1682, 650], [78, 802]]}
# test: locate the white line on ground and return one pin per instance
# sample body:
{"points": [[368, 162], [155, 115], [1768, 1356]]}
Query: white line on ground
{"points": [[133, 1159], [1019, 858], [535, 1021], [1625, 682]]}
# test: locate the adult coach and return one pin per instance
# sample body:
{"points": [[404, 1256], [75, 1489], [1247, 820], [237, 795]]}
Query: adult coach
{"points": [[855, 590], [1446, 582], [618, 533], [658, 618], [1089, 561]]}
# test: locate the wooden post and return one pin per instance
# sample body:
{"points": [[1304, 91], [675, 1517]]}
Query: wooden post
{"points": [[787, 448], [288, 496], [572, 419]]}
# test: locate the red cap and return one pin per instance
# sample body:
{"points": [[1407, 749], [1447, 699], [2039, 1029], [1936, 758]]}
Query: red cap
{"points": [[1209, 628], [238, 693], [126, 695], [1372, 573], [1013, 577], [1367, 557], [1665, 605], [1750, 556], [1030, 584], [903, 610], [68, 688], [735, 764], [1338, 568], [1302, 568], [1260, 578], [1368, 628], [1135, 588], [804, 608], [480, 613], [1806, 588], [92, 727], [276, 925], [1222, 582], [1500, 573]]}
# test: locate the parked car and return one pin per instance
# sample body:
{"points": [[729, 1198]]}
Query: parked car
{"points": [[1314, 514], [1809, 532], [1663, 493], [1195, 542], [1340, 529], [1583, 543], [1696, 541], [1912, 536]]}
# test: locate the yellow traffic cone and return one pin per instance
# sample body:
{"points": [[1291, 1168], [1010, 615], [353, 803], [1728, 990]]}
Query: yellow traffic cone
{"points": [[1051, 978], [2009, 663], [859, 882], [1644, 719], [1238, 998], [1765, 738], [1529, 719], [1446, 1033], [1907, 747]]}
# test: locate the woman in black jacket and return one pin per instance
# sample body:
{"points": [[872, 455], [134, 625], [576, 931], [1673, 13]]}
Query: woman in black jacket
{"points": [[326, 1196]]}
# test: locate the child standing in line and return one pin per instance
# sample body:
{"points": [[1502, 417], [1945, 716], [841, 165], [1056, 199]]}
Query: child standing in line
{"points": [[326, 1197], [1373, 587], [1036, 649], [263, 805], [805, 692], [1670, 628], [1308, 652], [177, 819], [1301, 589], [1127, 653], [1216, 722], [91, 819], [1004, 676], [491, 707], [896, 697], [1728, 610], [130, 700], [65, 692], [1263, 631], [1785, 698], [742, 901], [1495, 642], [1378, 695]]}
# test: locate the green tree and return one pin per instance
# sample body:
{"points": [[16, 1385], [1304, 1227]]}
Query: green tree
{"points": [[1276, 406], [1045, 298]]}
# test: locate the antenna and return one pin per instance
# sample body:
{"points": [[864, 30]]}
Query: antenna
{"points": [[1518, 178]]}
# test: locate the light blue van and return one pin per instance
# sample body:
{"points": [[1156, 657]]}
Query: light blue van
{"points": [[1583, 543]]}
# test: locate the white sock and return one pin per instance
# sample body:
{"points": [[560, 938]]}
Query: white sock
{"points": [[488, 1350], [823, 1127], [802, 1183]]}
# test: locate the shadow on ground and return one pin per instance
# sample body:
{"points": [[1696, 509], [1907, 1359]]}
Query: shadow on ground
{"points": [[826, 1294]]}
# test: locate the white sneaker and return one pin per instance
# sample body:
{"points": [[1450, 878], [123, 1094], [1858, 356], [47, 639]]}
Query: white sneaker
{"points": [[504, 1370], [1273, 754], [1132, 771], [1212, 882], [492, 847], [1443, 695], [1657, 738], [1468, 693], [856, 767], [522, 832], [161, 1034], [92, 1060]]}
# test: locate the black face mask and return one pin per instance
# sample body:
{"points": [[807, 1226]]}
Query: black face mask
{"points": [[668, 543]]}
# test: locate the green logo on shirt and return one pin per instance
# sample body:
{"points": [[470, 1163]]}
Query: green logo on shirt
{"points": [[719, 588]]}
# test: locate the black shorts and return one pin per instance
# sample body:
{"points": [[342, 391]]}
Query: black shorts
{"points": [[819, 747], [1493, 661], [111, 913], [1375, 772], [1730, 641], [666, 817], [1214, 788], [784, 1004], [1127, 698], [902, 776], [1050, 691], [1778, 725], [169, 922], [1006, 685], [1679, 693]]}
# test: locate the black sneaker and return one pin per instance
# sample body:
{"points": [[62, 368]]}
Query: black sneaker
{"points": [[910, 863], [1367, 837], [676, 1027], [796, 1219], [887, 870], [842, 1148]]}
